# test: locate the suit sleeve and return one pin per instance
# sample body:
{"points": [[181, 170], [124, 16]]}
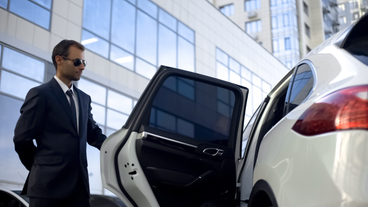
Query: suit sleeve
{"points": [[94, 133], [29, 127]]}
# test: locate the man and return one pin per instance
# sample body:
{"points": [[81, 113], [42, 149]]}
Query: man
{"points": [[58, 116]]}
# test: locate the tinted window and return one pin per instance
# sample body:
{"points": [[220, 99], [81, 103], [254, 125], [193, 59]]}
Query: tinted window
{"points": [[300, 87], [193, 109]]}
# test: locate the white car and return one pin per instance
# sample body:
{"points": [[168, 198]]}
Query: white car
{"points": [[306, 145]]}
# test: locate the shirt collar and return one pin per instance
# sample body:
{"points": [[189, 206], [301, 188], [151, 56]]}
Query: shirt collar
{"points": [[63, 86]]}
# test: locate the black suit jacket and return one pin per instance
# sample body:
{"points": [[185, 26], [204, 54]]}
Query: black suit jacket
{"points": [[60, 156]]}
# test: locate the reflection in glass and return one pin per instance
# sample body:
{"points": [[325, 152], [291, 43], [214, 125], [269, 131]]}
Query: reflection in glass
{"points": [[168, 20], [146, 38], [4, 3], [23, 64], [45, 3], [166, 121], [119, 102], [12, 169], [121, 57], [302, 85], [123, 25], [97, 92], [166, 47], [206, 118], [186, 89], [115, 120], [98, 113], [144, 69], [96, 17], [186, 55], [223, 109], [95, 43], [31, 11], [16, 85], [185, 32], [149, 7], [185, 128], [222, 72]]}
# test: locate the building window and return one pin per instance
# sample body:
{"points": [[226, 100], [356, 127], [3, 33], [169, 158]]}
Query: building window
{"points": [[307, 30], [273, 3], [276, 45], [342, 7], [139, 36], [305, 8], [355, 16], [287, 43], [274, 22], [354, 4], [254, 26], [36, 11], [342, 20], [229, 69], [228, 10], [251, 5], [286, 20]]}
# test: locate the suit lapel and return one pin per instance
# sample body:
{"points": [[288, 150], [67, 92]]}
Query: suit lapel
{"points": [[59, 93]]}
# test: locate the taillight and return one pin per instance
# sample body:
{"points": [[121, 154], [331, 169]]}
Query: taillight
{"points": [[342, 110]]}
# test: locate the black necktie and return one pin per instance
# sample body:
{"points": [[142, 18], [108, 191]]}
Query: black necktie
{"points": [[72, 106]]}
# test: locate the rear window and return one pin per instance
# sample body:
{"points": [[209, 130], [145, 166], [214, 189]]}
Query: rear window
{"points": [[300, 86], [193, 109]]}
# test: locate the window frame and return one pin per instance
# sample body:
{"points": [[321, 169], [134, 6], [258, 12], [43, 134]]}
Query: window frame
{"points": [[135, 55], [292, 80], [37, 4]]}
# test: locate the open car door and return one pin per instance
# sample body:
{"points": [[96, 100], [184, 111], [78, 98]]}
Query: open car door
{"points": [[180, 145]]}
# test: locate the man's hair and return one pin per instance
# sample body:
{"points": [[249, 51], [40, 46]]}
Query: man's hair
{"points": [[62, 49]]}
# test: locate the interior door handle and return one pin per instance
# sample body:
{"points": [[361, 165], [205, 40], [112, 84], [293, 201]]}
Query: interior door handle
{"points": [[213, 151]]}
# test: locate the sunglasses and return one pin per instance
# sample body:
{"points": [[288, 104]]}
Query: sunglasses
{"points": [[77, 61]]}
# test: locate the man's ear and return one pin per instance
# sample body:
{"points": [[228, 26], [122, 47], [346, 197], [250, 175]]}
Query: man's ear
{"points": [[58, 59]]}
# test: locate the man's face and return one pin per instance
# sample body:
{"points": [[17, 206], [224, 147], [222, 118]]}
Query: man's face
{"points": [[67, 70]]}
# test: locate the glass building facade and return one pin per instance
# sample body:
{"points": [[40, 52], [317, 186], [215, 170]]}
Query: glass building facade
{"points": [[285, 31], [137, 35]]}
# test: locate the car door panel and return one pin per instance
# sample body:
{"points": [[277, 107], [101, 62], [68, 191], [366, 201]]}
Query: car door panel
{"points": [[178, 145]]}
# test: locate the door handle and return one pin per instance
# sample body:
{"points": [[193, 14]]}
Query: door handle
{"points": [[213, 151]]}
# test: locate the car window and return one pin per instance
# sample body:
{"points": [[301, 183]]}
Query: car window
{"points": [[299, 88], [247, 130], [193, 109]]}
